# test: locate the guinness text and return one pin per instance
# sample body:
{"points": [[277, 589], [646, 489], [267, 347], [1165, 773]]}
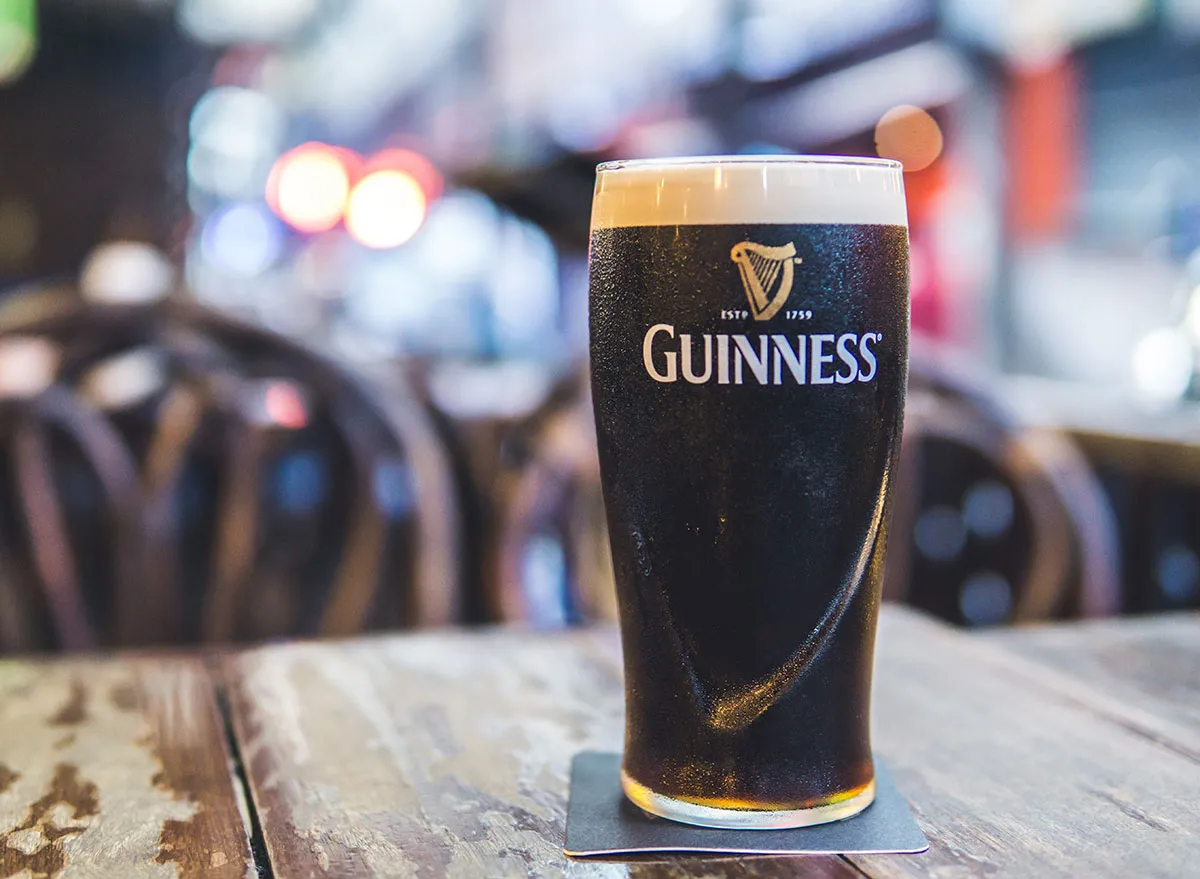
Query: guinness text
{"points": [[816, 359]]}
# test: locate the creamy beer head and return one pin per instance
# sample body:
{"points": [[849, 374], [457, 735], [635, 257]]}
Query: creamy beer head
{"points": [[749, 189]]}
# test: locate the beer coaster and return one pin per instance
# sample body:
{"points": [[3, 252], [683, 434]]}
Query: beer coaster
{"points": [[600, 821]]}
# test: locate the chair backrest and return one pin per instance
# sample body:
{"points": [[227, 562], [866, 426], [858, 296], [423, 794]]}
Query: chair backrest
{"points": [[185, 477], [555, 566], [992, 521]]}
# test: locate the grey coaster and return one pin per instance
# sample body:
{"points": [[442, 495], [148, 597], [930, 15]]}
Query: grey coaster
{"points": [[600, 821]]}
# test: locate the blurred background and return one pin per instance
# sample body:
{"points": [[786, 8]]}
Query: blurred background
{"points": [[294, 331]]}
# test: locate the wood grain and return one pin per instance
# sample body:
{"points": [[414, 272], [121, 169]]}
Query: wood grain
{"points": [[1010, 777], [447, 755], [1143, 673], [116, 768], [437, 755]]}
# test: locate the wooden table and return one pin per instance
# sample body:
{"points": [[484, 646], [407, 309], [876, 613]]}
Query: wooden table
{"points": [[1054, 751]]}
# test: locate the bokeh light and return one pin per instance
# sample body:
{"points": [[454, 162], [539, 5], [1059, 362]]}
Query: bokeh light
{"points": [[412, 163], [1178, 574], [385, 209], [986, 599], [242, 239], [940, 533], [301, 482], [524, 288], [235, 135], [387, 298], [458, 242], [1163, 362], [222, 22], [284, 405], [585, 118], [28, 365], [126, 272], [989, 509], [18, 38], [308, 186], [909, 135], [126, 379]]}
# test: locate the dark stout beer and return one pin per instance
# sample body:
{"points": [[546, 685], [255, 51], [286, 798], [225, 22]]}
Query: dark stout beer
{"points": [[749, 338]]}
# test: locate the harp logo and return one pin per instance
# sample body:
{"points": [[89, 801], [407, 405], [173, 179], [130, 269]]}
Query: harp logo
{"points": [[767, 275]]}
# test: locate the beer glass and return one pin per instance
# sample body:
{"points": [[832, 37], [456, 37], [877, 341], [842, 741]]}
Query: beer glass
{"points": [[749, 350]]}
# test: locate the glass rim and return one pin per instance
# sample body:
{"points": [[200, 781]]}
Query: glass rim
{"points": [[768, 159]]}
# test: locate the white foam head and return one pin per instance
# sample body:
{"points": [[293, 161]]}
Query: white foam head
{"points": [[749, 189]]}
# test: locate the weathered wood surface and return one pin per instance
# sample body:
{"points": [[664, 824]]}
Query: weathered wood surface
{"points": [[116, 768], [1141, 672], [447, 755], [1013, 777], [432, 755]]}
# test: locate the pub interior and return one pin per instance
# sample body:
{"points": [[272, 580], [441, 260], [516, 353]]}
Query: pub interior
{"points": [[294, 322], [405, 191]]}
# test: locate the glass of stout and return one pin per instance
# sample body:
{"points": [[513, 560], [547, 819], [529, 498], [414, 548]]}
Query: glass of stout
{"points": [[749, 351]]}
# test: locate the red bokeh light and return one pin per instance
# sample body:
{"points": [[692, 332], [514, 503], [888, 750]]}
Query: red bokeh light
{"points": [[309, 185], [412, 163], [285, 405]]}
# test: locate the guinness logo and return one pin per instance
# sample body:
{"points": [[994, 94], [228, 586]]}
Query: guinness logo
{"points": [[767, 275]]}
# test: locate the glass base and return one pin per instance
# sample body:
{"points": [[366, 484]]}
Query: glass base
{"points": [[743, 819]]}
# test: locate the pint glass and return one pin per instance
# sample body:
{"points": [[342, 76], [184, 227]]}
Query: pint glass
{"points": [[749, 350]]}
